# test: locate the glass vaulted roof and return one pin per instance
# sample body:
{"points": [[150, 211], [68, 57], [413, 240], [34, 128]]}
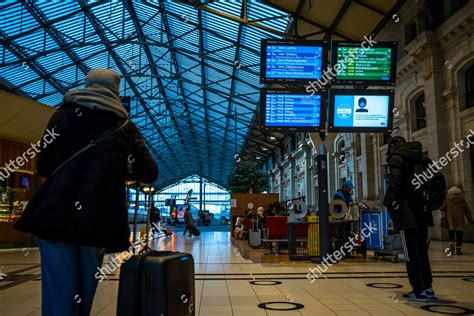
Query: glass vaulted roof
{"points": [[192, 72]]}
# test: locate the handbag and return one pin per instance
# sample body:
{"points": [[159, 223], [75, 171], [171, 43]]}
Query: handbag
{"points": [[28, 220]]}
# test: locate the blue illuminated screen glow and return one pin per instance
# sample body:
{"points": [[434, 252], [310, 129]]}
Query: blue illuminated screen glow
{"points": [[361, 111], [292, 110], [294, 62]]}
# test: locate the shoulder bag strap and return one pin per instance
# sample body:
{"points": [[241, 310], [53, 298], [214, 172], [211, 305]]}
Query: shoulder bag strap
{"points": [[94, 142]]}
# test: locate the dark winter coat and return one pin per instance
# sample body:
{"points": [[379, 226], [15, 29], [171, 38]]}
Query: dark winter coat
{"points": [[456, 211], [405, 205], [188, 218], [85, 201]]}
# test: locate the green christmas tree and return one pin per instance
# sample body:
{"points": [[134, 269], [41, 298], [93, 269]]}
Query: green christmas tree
{"points": [[248, 178]]}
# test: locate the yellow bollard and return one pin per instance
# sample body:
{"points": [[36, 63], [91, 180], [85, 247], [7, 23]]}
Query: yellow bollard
{"points": [[313, 236]]}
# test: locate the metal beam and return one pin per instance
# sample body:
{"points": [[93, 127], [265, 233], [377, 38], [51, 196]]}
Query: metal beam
{"points": [[241, 20], [143, 39], [96, 25], [179, 82], [337, 19], [49, 28], [56, 20], [370, 7], [387, 18], [207, 30], [307, 20], [243, 13], [204, 91], [294, 23], [21, 54]]}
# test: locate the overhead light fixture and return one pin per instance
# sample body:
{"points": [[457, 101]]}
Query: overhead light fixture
{"points": [[258, 157], [272, 137], [264, 148], [148, 189]]}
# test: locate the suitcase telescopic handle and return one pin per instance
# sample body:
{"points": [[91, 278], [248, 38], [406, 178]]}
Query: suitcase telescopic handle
{"points": [[135, 215], [148, 204]]}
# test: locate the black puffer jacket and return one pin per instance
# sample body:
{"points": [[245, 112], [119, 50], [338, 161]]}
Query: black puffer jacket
{"points": [[404, 203], [85, 201]]}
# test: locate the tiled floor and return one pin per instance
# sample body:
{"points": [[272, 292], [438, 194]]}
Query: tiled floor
{"points": [[223, 274]]}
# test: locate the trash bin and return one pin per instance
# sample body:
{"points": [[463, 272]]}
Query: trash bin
{"points": [[303, 240]]}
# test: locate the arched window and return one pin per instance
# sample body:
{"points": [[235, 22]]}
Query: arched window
{"points": [[340, 151], [469, 78], [438, 11], [420, 112]]}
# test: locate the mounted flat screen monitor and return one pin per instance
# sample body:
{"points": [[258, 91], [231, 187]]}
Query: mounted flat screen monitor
{"points": [[292, 61], [372, 65], [360, 111], [292, 110]]}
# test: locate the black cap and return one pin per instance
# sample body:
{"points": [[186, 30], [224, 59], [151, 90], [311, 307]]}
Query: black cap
{"points": [[396, 140]]}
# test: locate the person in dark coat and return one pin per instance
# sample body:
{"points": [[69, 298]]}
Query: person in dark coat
{"points": [[188, 221], [456, 211], [406, 207], [83, 212]]}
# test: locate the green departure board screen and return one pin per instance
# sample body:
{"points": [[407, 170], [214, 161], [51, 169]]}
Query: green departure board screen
{"points": [[371, 65]]}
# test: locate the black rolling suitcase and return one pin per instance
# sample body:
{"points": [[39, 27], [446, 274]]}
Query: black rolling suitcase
{"points": [[156, 283], [195, 231]]}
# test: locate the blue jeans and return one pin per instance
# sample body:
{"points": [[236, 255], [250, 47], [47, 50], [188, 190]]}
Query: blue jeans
{"points": [[68, 277]]}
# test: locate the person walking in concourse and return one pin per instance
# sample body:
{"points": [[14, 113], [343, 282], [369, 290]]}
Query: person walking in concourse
{"points": [[188, 221], [407, 211], [80, 212], [455, 210]]}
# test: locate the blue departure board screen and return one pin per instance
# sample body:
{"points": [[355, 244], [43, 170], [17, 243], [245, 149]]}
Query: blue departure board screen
{"points": [[293, 110], [295, 62], [292, 61]]}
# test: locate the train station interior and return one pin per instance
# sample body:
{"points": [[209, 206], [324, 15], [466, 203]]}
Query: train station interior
{"points": [[218, 157]]}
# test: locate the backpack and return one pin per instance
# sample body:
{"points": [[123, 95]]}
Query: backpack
{"points": [[436, 192], [433, 190]]}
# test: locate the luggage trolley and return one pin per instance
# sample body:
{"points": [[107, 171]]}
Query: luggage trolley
{"points": [[381, 242]]}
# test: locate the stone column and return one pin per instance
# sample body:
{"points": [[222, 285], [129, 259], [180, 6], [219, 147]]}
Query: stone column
{"points": [[291, 159], [307, 175], [431, 54]]}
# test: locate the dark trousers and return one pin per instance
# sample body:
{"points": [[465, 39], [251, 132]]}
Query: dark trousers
{"points": [[69, 278], [456, 235], [415, 247], [187, 229]]}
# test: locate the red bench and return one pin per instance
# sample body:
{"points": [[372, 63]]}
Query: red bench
{"points": [[277, 231]]}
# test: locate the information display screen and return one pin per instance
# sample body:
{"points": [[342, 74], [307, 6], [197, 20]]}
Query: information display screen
{"points": [[361, 111], [292, 109], [374, 65], [292, 61]]}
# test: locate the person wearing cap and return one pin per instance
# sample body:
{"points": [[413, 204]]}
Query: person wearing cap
{"points": [[345, 193], [406, 207], [83, 213]]}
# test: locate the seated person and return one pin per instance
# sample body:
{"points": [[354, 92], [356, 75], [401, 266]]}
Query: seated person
{"points": [[268, 211], [248, 214]]}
